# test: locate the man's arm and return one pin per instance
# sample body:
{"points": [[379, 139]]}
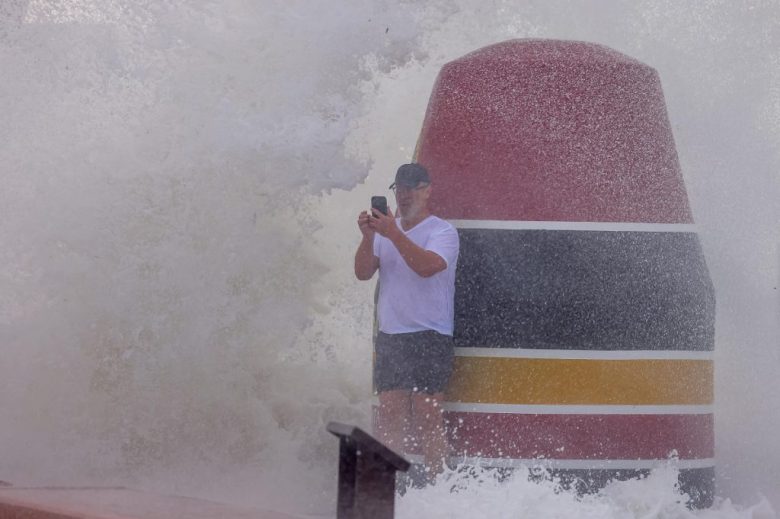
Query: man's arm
{"points": [[365, 261], [423, 262]]}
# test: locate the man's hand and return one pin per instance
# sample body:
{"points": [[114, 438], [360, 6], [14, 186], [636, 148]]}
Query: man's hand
{"points": [[365, 228], [365, 261], [383, 224]]}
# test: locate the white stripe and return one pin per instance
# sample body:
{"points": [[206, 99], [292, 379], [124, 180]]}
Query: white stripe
{"points": [[469, 407], [585, 464], [525, 353], [519, 225], [572, 464]]}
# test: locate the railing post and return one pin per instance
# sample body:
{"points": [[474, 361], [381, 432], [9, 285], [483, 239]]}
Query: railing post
{"points": [[366, 474]]}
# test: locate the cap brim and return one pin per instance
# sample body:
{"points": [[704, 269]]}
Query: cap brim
{"points": [[409, 185]]}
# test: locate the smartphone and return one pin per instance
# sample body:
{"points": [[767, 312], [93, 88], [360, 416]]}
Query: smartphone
{"points": [[380, 204]]}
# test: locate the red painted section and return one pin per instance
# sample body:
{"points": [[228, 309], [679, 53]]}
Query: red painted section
{"points": [[601, 437], [549, 130], [116, 503]]}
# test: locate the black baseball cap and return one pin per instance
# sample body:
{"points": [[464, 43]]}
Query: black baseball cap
{"points": [[411, 175]]}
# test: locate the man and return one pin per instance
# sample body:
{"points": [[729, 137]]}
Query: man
{"points": [[416, 256]]}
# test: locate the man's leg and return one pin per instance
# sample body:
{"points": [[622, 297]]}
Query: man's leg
{"points": [[428, 429], [393, 418]]}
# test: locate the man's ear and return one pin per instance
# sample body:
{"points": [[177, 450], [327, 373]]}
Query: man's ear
{"points": [[428, 189]]}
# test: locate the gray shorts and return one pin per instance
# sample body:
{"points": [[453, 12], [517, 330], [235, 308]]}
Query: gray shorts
{"points": [[417, 361]]}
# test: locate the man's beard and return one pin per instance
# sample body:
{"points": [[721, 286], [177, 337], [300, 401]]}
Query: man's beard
{"points": [[407, 214]]}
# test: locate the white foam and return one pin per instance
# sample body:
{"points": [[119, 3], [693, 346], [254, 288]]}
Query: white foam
{"points": [[177, 309], [481, 493]]}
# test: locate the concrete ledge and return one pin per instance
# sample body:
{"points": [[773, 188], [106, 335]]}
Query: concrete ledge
{"points": [[116, 503]]}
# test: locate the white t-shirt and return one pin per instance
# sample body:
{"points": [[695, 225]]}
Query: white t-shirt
{"points": [[409, 302]]}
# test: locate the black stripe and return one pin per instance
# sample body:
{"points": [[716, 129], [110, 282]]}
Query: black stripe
{"points": [[583, 290], [698, 484]]}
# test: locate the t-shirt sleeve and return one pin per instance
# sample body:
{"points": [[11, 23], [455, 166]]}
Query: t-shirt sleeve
{"points": [[445, 243]]}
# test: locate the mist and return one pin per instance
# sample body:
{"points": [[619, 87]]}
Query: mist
{"points": [[181, 181]]}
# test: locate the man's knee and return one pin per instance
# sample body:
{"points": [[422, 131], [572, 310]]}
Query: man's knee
{"points": [[394, 411], [395, 400], [427, 409]]}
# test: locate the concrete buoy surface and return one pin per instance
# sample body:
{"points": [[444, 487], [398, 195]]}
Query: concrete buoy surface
{"points": [[584, 308]]}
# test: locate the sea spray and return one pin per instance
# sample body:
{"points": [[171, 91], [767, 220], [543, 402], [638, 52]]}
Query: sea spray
{"points": [[177, 308]]}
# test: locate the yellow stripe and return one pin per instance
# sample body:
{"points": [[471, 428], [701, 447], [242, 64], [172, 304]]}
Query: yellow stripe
{"points": [[581, 382]]}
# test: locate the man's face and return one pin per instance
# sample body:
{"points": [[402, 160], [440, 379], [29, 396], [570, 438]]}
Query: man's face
{"points": [[412, 200]]}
